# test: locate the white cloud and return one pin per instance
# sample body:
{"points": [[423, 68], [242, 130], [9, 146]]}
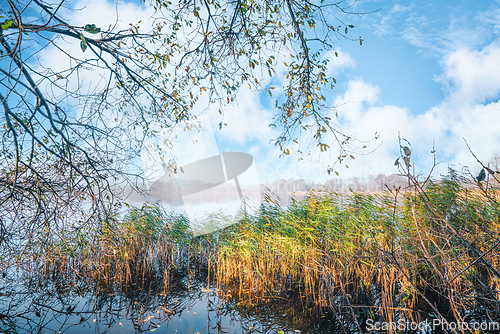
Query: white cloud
{"points": [[101, 13], [460, 28], [401, 9], [474, 75], [357, 95], [415, 36], [491, 17], [245, 117], [338, 61], [361, 115], [471, 110]]}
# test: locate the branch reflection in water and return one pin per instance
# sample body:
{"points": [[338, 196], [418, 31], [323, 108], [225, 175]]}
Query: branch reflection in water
{"points": [[36, 304]]}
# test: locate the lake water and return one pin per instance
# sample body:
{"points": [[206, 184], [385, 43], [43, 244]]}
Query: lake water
{"points": [[55, 306]]}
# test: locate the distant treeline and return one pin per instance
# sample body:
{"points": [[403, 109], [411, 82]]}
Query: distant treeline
{"points": [[284, 189]]}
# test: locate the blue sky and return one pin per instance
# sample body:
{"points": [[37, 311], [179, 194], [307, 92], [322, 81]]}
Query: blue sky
{"points": [[405, 43], [429, 70]]}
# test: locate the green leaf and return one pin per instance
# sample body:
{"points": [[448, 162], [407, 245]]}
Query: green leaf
{"points": [[6, 24], [91, 28], [407, 150], [407, 161], [83, 43], [351, 26], [396, 163], [346, 30]]}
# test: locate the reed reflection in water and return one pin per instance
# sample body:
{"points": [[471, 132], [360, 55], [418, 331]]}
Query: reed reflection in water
{"points": [[36, 305]]}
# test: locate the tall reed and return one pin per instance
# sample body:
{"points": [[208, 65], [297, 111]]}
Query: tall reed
{"points": [[432, 248], [146, 246]]}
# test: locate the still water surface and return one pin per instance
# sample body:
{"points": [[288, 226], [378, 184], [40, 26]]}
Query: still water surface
{"points": [[53, 306]]}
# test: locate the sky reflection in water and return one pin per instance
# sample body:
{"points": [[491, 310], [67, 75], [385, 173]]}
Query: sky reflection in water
{"points": [[45, 307]]}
